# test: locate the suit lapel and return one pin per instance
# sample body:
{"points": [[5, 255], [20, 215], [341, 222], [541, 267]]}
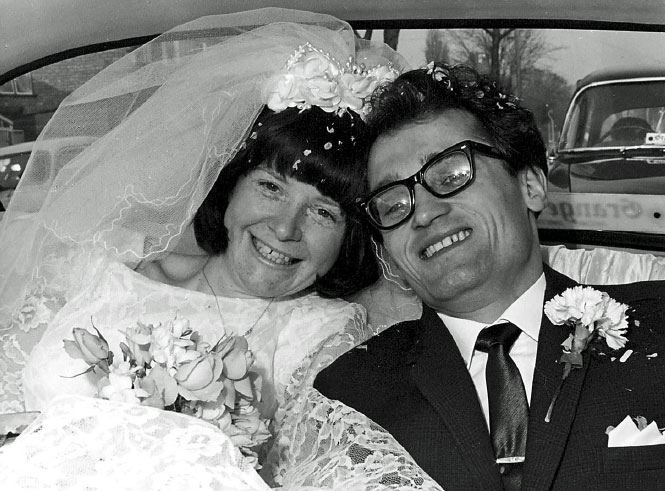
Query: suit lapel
{"points": [[442, 377], [547, 440]]}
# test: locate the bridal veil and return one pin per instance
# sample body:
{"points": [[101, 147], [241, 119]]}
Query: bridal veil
{"points": [[147, 138], [144, 140]]}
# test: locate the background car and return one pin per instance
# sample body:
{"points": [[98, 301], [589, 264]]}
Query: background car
{"points": [[607, 172], [613, 138], [13, 159], [51, 156]]}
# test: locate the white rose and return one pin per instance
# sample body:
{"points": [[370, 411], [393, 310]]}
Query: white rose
{"points": [[321, 92], [315, 65], [283, 93], [161, 345], [120, 388], [383, 74], [179, 327], [360, 86]]}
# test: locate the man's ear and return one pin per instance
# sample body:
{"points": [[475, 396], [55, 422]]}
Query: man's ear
{"points": [[534, 189]]}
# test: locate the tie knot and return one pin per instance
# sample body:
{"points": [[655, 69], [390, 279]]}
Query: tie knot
{"points": [[503, 334]]}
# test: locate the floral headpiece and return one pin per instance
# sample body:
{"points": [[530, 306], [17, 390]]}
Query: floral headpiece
{"points": [[441, 73], [314, 78]]}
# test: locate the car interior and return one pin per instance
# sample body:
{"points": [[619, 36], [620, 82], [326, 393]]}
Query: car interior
{"points": [[540, 50], [539, 45]]}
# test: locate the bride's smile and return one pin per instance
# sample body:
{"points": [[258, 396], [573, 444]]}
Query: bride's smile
{"points": [[271, 255]]}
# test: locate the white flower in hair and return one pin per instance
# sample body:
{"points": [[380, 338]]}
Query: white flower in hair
{"points": [[313, 78]]}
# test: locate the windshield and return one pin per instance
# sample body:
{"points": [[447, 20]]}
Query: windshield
{"points": [[616, 114], [547, 68]]}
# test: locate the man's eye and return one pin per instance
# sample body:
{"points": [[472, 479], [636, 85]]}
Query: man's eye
{"points": [[453, 178], [397, 209]]}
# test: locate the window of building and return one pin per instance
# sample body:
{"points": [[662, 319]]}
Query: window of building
{"points": [[21, 85]]}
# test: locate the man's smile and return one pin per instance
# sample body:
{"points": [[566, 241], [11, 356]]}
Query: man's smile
{"points": [[271, 255], [444, 243]]}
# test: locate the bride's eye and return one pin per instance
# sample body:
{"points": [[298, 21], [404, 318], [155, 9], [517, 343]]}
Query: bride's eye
{"points": [[326, 216], [268, 187]]}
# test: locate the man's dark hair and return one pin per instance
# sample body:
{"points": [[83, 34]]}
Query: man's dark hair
{"points": [[325, 150], [418, 95]]}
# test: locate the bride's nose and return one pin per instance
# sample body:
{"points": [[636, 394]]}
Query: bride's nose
{"points": [[287, 223]]}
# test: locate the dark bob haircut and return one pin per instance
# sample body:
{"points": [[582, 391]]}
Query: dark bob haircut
{"points": [[419, 95], [318, 148]]}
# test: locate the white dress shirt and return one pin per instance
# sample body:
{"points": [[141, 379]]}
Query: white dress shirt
{"points": [[526, 313]]}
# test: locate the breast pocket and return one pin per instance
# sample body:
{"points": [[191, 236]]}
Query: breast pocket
{"points": [[640, 468]]}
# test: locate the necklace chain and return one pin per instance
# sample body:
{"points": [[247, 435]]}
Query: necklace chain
{"points": [[219, 310]]}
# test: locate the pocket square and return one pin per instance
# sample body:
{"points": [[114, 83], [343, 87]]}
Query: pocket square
{"points": [[630, 434]]}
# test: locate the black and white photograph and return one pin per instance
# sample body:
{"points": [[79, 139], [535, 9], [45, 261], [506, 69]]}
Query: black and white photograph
{"points": [[332, 245]]}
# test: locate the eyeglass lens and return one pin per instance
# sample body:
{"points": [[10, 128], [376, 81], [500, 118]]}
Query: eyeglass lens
{"points": [[442, 177]]}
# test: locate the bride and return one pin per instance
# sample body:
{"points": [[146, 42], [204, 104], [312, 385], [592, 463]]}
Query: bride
{"points": [[218, 189]]}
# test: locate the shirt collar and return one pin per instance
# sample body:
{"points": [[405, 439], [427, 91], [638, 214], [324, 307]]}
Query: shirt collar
{"points": [[526, 313]]}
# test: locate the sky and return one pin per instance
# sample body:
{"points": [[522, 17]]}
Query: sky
{"points": [[580, 53]]}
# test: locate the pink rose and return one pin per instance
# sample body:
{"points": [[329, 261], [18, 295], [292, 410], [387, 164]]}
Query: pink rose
{"points": [[199, 379], [237, 358], [249, 429], [91, 348]]}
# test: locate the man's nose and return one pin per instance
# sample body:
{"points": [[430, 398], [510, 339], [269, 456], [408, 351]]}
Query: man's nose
{"points": [[427, 207], [287, 223]]}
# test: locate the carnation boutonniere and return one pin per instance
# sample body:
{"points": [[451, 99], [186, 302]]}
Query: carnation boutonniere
{"points": [[592, 317]]}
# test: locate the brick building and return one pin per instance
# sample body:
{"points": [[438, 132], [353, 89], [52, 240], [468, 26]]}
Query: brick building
{"points": [[29, 101]]}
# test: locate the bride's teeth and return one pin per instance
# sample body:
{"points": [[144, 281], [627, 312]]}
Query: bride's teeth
{"points": [[272, 255], [446, 242]]}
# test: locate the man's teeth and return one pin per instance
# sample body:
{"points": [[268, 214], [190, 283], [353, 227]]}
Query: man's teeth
{"points": [[272, 255], [446, 242]]}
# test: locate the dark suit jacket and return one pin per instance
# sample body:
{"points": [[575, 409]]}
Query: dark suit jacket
{"points": [[412, 380]]}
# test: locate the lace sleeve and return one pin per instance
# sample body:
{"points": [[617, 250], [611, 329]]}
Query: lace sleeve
{"points": [[17, 338], [309, 323], [321, 443]]}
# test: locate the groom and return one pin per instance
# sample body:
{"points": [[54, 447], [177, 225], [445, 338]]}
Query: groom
{"points": [[474, 389]]}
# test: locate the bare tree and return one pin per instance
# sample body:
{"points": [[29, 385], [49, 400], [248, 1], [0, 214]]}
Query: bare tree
{"points": [[367, 36], [482, 48], [390, 36], [522, 54], [518, 59], [436, 48], [547, 95], [496, 38], [506, 54]]}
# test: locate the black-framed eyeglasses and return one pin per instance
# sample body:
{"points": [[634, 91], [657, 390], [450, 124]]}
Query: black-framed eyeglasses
{"points": [[445, 174]]}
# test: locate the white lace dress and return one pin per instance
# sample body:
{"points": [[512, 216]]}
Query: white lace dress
{"points": [[93, 444], [280, 333]]}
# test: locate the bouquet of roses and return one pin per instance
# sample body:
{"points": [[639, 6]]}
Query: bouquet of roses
{"points": [[169, 366]]}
